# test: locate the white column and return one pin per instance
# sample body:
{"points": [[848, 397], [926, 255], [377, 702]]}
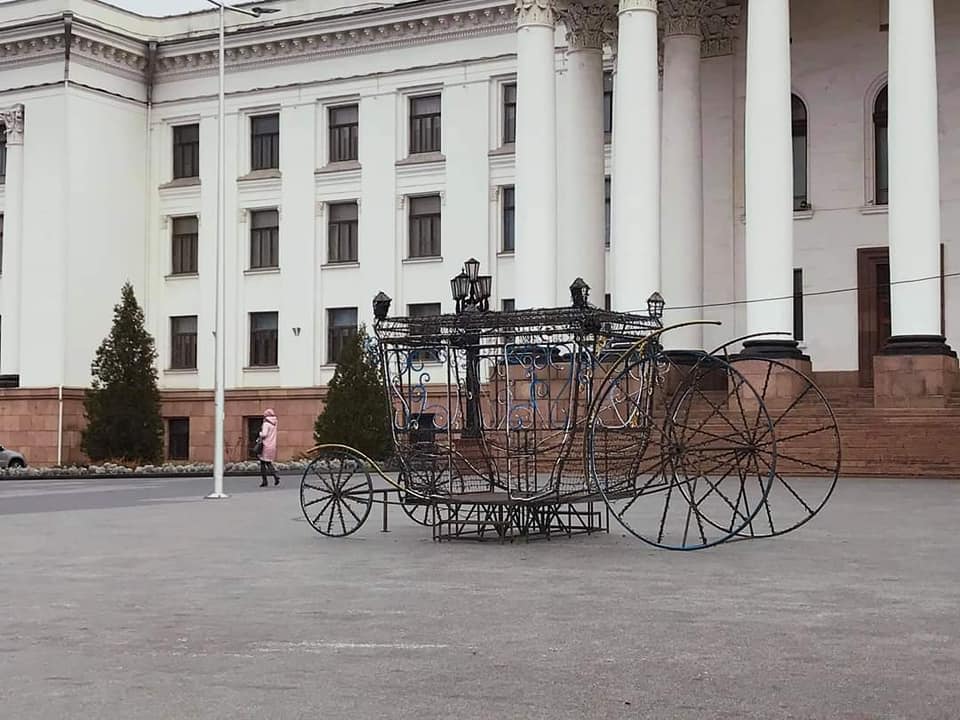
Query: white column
{"points": [[914, 169], [635, 191], [536, 156], [584, 254], [12, 120], [769, 163], [682, 177]]}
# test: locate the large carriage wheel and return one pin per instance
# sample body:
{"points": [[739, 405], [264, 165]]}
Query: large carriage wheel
{"points": [[678, 464], [807, 446], [425, 512], [336, 492]]}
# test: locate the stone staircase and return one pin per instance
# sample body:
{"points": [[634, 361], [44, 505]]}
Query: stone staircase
{"points": [[923, 442]]}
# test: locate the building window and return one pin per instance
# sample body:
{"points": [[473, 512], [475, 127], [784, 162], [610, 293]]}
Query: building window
{"points": [[425, 310], [509, 216], [3, 153], [606, 301], [343, 230], [178, 439], [344, 133], [799, 112], [608, 102], [265, 142], [606, 212], [881, 156], [798, 303], [183, 245], [264, 239], [425, 124], [509, 114], [341, 330], [1, 243], [263, 339], [186, 151], [425, 226], [183, 343]]}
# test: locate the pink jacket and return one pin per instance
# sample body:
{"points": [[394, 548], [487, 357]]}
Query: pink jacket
{"points": [[268, 433]]}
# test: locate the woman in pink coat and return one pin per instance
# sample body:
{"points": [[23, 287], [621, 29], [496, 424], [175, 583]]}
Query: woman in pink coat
{"points": [[268, 453]]}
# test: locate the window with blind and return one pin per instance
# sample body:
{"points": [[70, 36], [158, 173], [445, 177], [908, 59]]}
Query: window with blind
{"points": [[344, 133], [425, 124], [178, 439], [263, 339], [509, 213], [186, 151], [264, 239], [342, 232], [341, 329], [183, 245], [183, 342], [265, 142], [425, 226], [509, 113], [425, 310]]}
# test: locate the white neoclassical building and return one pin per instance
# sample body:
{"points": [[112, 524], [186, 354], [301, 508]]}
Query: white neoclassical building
{"points": [[776, 165]]}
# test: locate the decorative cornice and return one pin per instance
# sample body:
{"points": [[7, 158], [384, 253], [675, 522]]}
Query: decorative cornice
{"points": [[108, 54], [534, 12], [27, 49], [718, 28], [12, 120], [681, 17], [346, 41], [588, 26]]}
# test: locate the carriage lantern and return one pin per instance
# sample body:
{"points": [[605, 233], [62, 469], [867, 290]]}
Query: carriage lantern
{"points": [[655, 305], [579, 291], [381, 305]]}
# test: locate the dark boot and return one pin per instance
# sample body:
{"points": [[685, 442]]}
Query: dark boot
{"points": [[276, 480], [264, 483]]}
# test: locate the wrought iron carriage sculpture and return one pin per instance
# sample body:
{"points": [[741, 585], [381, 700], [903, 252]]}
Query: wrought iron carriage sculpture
{"points": [[585, 415]]}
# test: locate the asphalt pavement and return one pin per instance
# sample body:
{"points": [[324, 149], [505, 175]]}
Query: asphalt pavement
{"points": [[138, 599]]}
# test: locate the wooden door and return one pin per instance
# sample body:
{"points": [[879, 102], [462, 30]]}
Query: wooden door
{"points": [[873, 290]]}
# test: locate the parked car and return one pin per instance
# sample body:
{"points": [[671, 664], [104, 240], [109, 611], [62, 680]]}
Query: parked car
{"points": [[11, 458]]}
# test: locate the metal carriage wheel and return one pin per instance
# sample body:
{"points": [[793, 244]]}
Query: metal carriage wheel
{"points": [[336, 491], [677, 463], [807, 442]]}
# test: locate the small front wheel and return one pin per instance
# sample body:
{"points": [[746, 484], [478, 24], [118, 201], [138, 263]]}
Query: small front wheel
{"points": [[336, 492]]}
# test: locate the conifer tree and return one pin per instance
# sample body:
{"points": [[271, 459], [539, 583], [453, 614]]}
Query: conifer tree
{"points": [[123, 404], [356, 412]]}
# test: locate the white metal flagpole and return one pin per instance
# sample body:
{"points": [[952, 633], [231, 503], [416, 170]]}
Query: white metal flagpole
{"points": [[219, 361]]}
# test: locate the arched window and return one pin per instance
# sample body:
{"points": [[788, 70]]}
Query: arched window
{"points": [[799, 113], [880, 149]]}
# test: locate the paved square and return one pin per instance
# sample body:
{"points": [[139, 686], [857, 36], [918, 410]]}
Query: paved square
{"points": [[150, 603]]}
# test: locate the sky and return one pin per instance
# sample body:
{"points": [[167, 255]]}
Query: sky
{"points": [[157, 7], [160, 7]]}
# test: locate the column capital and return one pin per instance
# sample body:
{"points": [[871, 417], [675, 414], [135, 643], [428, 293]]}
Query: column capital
{"points": [[629, 5], [588, 26], [534, 12], [12, 120], [718, 27], [681, 17]]}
